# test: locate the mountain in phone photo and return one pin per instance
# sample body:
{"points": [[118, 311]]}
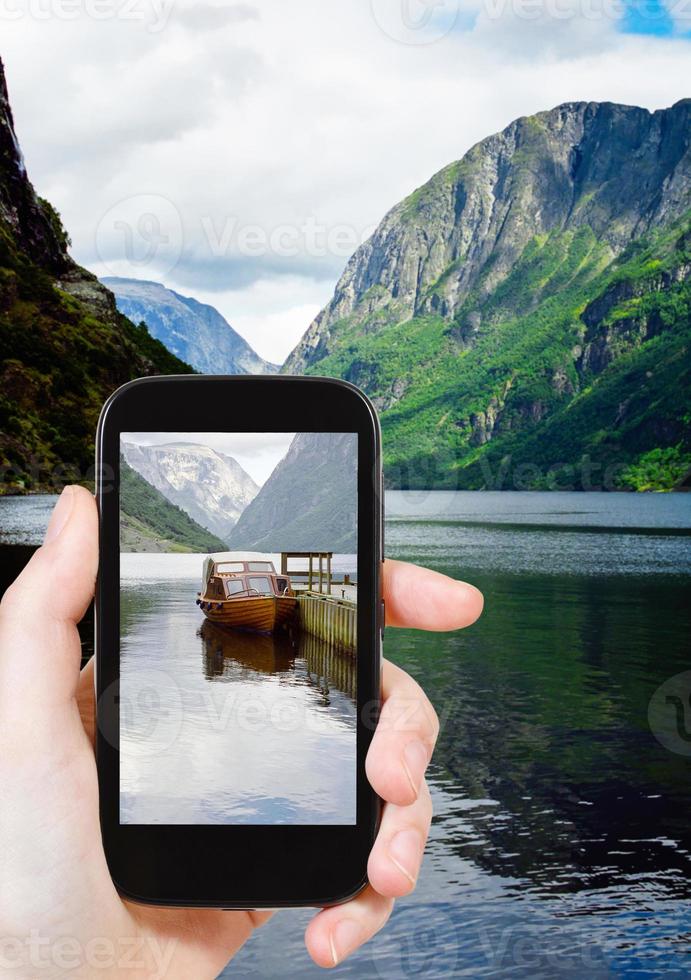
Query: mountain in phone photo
{"points": [[64, 347], [209, 486], [193, 331], [151, 523], [309, 503], [523, 320]]}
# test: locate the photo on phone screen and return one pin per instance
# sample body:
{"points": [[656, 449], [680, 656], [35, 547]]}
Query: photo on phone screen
{"points": [[238, 616]]}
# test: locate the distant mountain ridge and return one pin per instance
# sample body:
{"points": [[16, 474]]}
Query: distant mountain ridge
{"points": [[193, 331], [151, 523], [309, 503], [522, 320], [211, 487]]}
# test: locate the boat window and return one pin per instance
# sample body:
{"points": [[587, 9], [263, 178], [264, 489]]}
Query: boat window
{"points": [[260, 584], [281, 585], [230, 566], [234, 586], [260, 566]]}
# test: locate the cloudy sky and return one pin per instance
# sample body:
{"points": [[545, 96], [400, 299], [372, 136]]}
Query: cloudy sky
{"points": [[238, 152]]}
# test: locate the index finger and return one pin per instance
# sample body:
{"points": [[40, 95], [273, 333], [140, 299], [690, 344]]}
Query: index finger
{"points": [[420, 598]]}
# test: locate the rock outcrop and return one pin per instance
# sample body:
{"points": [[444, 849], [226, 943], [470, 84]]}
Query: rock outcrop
{"points": [[499, 301]]}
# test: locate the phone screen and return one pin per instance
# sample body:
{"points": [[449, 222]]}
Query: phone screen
{"points": [[238, 628]]}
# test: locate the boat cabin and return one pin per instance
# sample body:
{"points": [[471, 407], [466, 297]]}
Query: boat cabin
{"points": [[238, 578]]}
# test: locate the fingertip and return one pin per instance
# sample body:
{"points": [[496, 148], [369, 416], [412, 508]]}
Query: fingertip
{"points": [[39, 612], [72, 543], [60, 516], [63, 570], [425, 599], [337, 932], [473, 603], [319, 944], [391, 782], [387, 879]]}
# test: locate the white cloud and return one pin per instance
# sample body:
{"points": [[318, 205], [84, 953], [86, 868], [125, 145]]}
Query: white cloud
{"points": [[255, 123]]}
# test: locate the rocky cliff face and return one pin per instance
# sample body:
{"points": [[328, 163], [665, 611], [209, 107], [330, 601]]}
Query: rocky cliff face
{"points": [[479, 303], [64, 347], [309, 503], [193, 331], [29, 220], [212, 488], [617, 170]]}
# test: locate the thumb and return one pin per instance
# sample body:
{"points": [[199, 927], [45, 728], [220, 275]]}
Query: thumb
{"points": [[40, 650]]}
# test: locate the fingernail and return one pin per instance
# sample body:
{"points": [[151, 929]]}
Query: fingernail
{"points": [[345, 937], [404, 850], [61, 515], [415, 760]]}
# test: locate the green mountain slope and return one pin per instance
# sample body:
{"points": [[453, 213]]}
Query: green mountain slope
{"points": [[149, 522], [63, 345], [523, 320]]}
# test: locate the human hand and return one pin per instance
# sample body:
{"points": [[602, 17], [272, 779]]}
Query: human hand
{"points": [[59, 910]]}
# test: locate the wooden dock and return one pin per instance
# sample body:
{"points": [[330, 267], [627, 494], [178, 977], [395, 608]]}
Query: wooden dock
{"points": [[325, 602], [327, 666], [333, 620]]}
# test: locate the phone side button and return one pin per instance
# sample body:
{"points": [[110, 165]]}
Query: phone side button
{"points": [[382, 617]]}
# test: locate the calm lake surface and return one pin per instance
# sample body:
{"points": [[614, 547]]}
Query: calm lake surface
{"points": [[561, 845], [220, 726]]}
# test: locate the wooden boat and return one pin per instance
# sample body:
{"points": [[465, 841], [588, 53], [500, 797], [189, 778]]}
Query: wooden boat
{"points": [[245, 592]]}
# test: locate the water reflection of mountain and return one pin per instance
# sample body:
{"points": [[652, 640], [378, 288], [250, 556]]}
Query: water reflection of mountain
{"points": [[549, 775], [298, 658]]}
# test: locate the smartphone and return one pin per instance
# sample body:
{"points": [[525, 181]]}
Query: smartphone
{"points": [[239, 621]]}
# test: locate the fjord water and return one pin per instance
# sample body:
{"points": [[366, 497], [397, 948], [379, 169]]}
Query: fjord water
{"points": [[561, 844], [223, 726]]}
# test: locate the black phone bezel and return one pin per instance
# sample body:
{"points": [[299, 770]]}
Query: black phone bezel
{"points": [[231, 866]]}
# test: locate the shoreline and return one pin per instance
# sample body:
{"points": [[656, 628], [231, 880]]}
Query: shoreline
{"points": [[54, 492]]}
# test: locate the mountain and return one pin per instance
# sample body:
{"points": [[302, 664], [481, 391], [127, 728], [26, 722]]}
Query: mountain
{"points": [[64, 347], [309, 503], [149, 522], [193, 331], [212, 488], [523, 319]]}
